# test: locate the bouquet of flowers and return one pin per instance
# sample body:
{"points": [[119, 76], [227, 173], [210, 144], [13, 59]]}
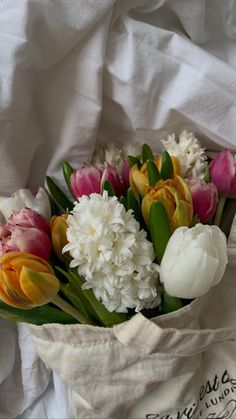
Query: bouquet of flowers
{"points": [[140, 232]]}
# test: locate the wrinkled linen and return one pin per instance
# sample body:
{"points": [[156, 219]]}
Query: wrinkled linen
{"points": [[75, 74]]}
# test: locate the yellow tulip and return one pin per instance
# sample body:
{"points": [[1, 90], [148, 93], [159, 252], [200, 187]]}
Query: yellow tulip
{"points": [[176, 198], [175, 162], [138, 178], [58, 227], [26, 281]]}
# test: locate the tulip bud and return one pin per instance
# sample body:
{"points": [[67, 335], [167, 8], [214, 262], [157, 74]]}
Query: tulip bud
{"points": [[85, 181], [26, 281], [138, 180], [27, 240], [110, 174], [175, 196], [223, 173], [28, 218], [205, 198], [58, 226], [194, 261]]}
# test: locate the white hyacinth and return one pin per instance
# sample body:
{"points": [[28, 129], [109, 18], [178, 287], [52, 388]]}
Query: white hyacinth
{"points": [[112, 254], [109, 154], [189, 152]]}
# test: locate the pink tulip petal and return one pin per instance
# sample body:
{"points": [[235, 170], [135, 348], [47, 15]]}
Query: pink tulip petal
{"points": [[28, 218], [125, 174], [110, 174], [29, 240], [205, 198], [85, 181], [223, 172]]}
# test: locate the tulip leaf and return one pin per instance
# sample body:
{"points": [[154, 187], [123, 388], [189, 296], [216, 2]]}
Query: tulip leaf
{"points": [[153, 173], [79, 303], [107, 186], [123, 201], [132, 160], [67, 172], [170, 304], [159, 228], [167, 169], [132, 203], [59, 195], [147, 153], [93, 307], [37, 315]]}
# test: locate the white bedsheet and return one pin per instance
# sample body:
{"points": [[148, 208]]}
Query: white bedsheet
{"points": [[75, 73]]}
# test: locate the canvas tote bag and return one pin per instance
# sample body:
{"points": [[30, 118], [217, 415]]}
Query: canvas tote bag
{"points": [[177, 366]]}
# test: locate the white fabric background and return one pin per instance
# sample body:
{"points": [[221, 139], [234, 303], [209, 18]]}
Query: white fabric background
{"points": [[75, 73]]}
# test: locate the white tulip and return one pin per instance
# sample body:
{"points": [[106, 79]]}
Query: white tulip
{"points": [[194, 261], [24, 198]]}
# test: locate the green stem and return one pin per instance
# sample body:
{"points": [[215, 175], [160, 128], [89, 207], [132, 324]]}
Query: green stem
{"points": [[219, 211], [67, 308]]}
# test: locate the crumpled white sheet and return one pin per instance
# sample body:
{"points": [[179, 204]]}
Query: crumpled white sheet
{"points": [[74, 74]]}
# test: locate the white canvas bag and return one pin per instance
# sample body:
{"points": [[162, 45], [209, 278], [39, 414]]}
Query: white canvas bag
{"points": [[176, 366]]}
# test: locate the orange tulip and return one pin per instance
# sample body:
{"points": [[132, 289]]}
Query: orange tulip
{"points": [[139, 178], [176, 197], [26, 281], [58, 227]]}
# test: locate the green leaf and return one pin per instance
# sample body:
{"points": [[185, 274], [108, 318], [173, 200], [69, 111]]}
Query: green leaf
{"points": [[159, 229], [59, 195], [170, 304], [123, 201], [106, 318], [76, 285], [147, 153], [167, 169], [133, 204], [37, 315], [67, 172], [132, 160], [107, 186], [82, 306], [153, 173]]}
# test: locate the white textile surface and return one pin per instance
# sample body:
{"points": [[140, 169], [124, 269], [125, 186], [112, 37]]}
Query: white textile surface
{"points": [[77, 73]]}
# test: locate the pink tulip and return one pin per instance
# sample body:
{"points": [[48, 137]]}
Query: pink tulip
{"points": [[28, 218], [223, 173], [205, 198], [110, 174], [29, 240], [85, 181], [125, 174]]}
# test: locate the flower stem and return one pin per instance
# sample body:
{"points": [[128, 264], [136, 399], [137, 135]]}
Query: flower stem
{"points": [[68, 308], [219, 211]]}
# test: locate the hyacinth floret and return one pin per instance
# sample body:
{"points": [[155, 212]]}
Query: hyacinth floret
{"points": [[189, 152]]}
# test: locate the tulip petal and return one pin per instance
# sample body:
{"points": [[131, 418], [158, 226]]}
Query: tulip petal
{"points": [[202, 266], [7, 299], [39, 287], [223, 172], [181, 214], [138, 181], [58, 228], [10, 283], [19, 259]]}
